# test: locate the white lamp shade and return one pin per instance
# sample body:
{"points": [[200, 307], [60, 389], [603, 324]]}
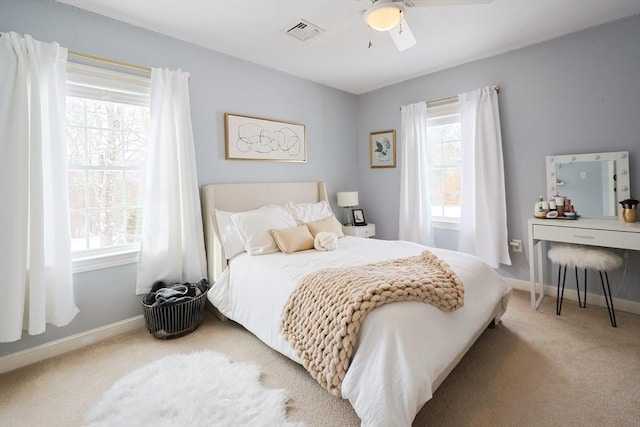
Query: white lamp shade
{"points": [[347, 198]]}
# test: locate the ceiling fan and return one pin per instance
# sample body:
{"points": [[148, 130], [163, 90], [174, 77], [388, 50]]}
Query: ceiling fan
{"points": [[386, 15]]}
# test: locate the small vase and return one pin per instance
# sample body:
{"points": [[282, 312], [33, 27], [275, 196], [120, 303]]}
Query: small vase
{"points": [[630, 215]]}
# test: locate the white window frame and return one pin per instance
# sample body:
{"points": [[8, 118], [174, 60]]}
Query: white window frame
{"points": [[98, 83], [439, 111]]}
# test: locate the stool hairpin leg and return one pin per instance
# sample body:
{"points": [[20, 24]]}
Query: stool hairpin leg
{"points": [[560, 296], [578, 288], [608, 298], [585, 288]]}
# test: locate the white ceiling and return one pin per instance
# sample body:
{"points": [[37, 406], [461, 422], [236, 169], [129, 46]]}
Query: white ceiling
{"points": [[446, 35]]}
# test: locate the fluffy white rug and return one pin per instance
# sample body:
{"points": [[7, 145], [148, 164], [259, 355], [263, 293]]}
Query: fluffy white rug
{"points": [[197, 389]]}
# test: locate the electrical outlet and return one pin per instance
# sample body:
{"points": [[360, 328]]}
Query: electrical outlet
{"points": [[516, 244]]}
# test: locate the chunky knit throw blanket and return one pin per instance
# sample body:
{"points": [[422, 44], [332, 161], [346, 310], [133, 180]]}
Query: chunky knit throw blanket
{"points": [[323, 315]]}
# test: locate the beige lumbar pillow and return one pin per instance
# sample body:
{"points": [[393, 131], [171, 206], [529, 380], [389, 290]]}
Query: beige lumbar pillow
{"points": [[293, 239], [329, 224]]}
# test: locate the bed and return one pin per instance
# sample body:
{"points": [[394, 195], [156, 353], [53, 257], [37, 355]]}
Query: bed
{"points": [[404, 350]]}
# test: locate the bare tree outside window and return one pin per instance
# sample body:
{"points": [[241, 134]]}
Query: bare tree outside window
{"points": [[107, 150], [445, 163]]}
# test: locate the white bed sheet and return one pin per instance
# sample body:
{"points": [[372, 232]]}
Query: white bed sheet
{"points": [[402, 347]]}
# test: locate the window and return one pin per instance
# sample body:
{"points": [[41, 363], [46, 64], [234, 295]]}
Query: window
{"points": [[107, 116], [445, 164]]}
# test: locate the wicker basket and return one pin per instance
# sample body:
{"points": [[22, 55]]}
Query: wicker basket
{"points": [[173, 321]]}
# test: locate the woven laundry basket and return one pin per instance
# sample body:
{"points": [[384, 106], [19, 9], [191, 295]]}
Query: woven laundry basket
{"points": [[173, 321]]}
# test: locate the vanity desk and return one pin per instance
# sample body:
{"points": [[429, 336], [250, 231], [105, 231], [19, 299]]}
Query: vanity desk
{"points": [[611, 233], [595, 183]]}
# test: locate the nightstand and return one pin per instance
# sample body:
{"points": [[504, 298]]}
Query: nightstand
{"points": [[368, 230]]}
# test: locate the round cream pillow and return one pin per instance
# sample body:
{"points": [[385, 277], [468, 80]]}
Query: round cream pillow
{"points": [[325, 241]]}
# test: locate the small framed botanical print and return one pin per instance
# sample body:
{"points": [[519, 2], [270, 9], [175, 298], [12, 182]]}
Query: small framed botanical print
{"points": [[382, 149]]}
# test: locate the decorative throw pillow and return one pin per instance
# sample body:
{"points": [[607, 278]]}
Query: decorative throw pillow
{"points": [[230, 238], [330, 224], [309, 212], [325, 241], [254, 227], [293, 239]]}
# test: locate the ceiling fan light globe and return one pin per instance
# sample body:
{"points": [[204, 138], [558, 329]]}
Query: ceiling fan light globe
{"points": [[384, 16]]}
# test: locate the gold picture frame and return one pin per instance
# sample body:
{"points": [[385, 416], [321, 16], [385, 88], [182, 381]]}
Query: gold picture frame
{"points": [[382, 149], [256, 138]]}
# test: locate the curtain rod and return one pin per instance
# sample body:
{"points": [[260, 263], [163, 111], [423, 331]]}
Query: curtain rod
{"points": [[452, 98], [110, 62], [107, 61]]}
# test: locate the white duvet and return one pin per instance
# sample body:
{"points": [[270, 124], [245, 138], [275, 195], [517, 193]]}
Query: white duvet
{"points": [[403, 347]]}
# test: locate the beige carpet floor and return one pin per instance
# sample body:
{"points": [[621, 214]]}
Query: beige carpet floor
{"points": [[534, 369]]}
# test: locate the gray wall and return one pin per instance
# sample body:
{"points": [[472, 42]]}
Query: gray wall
{"points": [[219, 84], [575, 94]]}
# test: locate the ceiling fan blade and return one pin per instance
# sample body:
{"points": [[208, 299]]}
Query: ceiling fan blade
{"points": [[402, 36], [425, 3]]}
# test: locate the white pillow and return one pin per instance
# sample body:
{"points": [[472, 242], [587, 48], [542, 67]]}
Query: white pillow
{"points": [[309, 212], [232, 242], [254, 227]]}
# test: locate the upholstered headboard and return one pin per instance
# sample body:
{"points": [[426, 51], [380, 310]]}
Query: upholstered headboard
{"points": [[238, 197]]}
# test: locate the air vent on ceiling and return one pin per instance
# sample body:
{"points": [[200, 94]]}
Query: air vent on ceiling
{"points": [[303, 30]]}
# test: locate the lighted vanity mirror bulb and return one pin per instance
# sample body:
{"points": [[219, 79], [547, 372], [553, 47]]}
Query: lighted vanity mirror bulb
{"points": [[623, 172], [597, 157], [573, 158], [623, 156]]}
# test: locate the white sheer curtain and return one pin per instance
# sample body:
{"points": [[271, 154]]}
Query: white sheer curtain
{"points": [[172, 247], [483, 222], [415, 209], [37, 281]]}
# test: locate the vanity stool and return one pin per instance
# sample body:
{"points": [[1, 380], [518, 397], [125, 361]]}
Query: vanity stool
{"points": [[585, 257]]}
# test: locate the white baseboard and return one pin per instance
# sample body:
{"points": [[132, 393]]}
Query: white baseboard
{"points": [[64, 345], [593, 299]]}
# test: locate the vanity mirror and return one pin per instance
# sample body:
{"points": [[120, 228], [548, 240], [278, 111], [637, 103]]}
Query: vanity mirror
{"points": [[594, 182]]}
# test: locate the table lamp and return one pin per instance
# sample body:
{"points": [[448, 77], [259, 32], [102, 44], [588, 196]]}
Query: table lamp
{"points": [[347, 200]]}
